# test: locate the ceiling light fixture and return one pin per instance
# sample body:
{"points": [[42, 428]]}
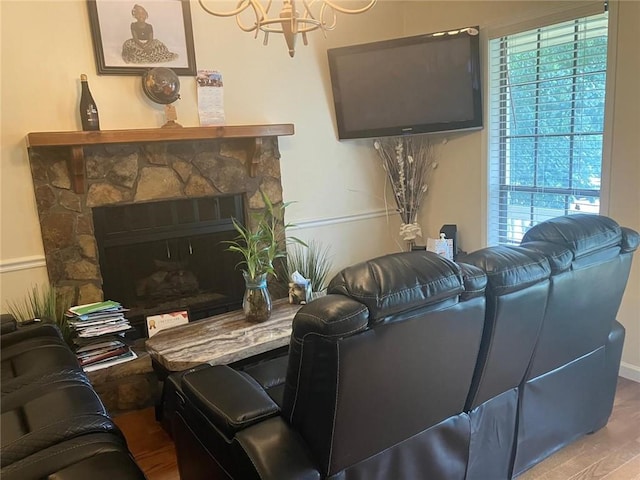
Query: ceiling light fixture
{"points": [[314, 15]]}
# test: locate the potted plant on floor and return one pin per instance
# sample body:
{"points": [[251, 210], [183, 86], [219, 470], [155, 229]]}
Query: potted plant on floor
{"points": [[260, 244]]}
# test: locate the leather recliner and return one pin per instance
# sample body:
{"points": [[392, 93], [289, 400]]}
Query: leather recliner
{"points": [[516, 293], [414, 367], [573, 345], [53, 423], [353, 402], [572, 377]]}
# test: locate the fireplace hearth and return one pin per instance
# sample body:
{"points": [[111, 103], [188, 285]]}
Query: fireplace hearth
{"points": [[148, 225]]}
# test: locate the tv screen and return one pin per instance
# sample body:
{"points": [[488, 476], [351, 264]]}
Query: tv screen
{"points": [[420, 84]]}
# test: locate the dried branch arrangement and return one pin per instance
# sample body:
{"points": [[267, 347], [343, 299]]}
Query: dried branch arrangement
{"points": [[408, 162]]}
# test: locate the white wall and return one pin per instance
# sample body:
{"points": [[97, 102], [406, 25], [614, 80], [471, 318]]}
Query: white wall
{"points": [[457, 194], [46, 45], [338, 186], [624, 181], [459, 187]]}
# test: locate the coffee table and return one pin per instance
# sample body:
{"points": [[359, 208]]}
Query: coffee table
{"points": [[227, 338]]}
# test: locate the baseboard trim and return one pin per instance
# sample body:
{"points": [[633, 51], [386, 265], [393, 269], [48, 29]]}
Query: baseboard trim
{"points": [[22, 263], [629, 371]]}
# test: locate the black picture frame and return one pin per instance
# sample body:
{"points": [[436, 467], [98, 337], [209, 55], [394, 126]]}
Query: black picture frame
{"points": [[171, 30]]}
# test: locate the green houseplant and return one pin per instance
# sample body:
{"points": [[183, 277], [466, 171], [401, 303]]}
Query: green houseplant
{"points": [[46, 304], [312, 262], [259, 244]]}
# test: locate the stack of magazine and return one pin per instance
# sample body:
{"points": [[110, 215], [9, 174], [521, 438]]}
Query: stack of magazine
{"points": [[100, 329]]}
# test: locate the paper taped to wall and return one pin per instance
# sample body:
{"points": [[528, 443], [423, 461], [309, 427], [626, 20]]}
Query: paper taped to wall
{"points": [[210, 97]]}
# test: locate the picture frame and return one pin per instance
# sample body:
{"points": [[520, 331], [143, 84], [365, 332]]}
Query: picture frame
{"points": [[163, 321], [132, 36]]}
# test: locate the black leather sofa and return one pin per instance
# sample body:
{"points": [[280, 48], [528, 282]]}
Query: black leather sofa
{"points": [[416, 367], [53, 424]]}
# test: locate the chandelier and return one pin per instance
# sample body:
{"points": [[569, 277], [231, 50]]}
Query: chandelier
{"points": [[313, 15]]}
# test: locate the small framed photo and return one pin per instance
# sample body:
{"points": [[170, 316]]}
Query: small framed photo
{"points": [[129, 38], [162, 321]]}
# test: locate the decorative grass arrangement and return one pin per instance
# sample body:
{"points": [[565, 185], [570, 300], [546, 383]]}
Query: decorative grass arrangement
{"points": [[312, 262], [43, 303]]}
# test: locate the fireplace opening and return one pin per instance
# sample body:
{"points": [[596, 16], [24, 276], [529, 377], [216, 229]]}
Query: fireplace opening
{"points": [[162, 256]]}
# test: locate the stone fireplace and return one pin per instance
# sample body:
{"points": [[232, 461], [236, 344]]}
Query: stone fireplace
{"points": [[176, 196]]}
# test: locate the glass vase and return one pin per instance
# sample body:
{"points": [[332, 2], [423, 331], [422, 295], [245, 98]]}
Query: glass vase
{"points": [[256, 302]]}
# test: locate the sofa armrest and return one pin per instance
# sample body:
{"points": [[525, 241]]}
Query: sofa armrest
{"points": [[230, 400], [49, 331], [274, 452], [8, 323]]}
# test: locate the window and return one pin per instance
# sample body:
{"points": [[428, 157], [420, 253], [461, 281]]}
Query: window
{"points": [[546, 122]]}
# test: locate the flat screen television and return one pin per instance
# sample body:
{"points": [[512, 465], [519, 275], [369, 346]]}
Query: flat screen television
{"points": [[421, 84]]}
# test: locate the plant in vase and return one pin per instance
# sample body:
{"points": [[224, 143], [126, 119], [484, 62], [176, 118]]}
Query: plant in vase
{"points": [[313, 263], [260, 244]]}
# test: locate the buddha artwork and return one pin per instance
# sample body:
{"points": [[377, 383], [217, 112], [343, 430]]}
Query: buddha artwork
{"points": [[142, 47]]}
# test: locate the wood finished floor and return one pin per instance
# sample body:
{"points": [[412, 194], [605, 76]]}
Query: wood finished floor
{"points": [[612, 453]]}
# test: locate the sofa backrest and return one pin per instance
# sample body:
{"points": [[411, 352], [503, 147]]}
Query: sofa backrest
{"points": [[590, 259], [516, 293], [388, 353]]}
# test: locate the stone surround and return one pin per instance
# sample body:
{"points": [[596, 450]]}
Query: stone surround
{"points": [[119, 174], [127, 386]]}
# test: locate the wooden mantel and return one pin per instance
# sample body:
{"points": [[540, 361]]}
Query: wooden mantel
{"points": [[77, 140]]}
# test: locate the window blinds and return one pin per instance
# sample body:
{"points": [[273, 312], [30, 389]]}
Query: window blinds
{"points": [[546, 121]]}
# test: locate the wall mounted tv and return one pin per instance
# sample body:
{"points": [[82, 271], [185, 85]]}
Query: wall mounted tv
{"points": [[420, 84]]}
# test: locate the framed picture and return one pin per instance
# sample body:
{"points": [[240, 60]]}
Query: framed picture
{"points": [[129, 38], [162, 321]]}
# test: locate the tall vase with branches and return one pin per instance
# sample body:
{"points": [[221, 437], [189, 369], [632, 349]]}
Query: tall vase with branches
{"points": [[408, 162]]}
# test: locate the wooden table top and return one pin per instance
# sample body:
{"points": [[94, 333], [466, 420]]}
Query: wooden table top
{"points": [[222, 339]]}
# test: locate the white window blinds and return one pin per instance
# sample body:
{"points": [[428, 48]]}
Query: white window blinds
{"points": [[546, 121]]}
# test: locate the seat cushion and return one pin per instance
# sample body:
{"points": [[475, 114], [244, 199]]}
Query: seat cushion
{"points": [[36, 358], [271, 376], [95, 456], [38, 417]]}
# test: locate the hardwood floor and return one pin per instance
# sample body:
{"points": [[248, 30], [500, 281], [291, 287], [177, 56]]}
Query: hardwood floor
{"points": [[612, 453], [150, 445]]}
